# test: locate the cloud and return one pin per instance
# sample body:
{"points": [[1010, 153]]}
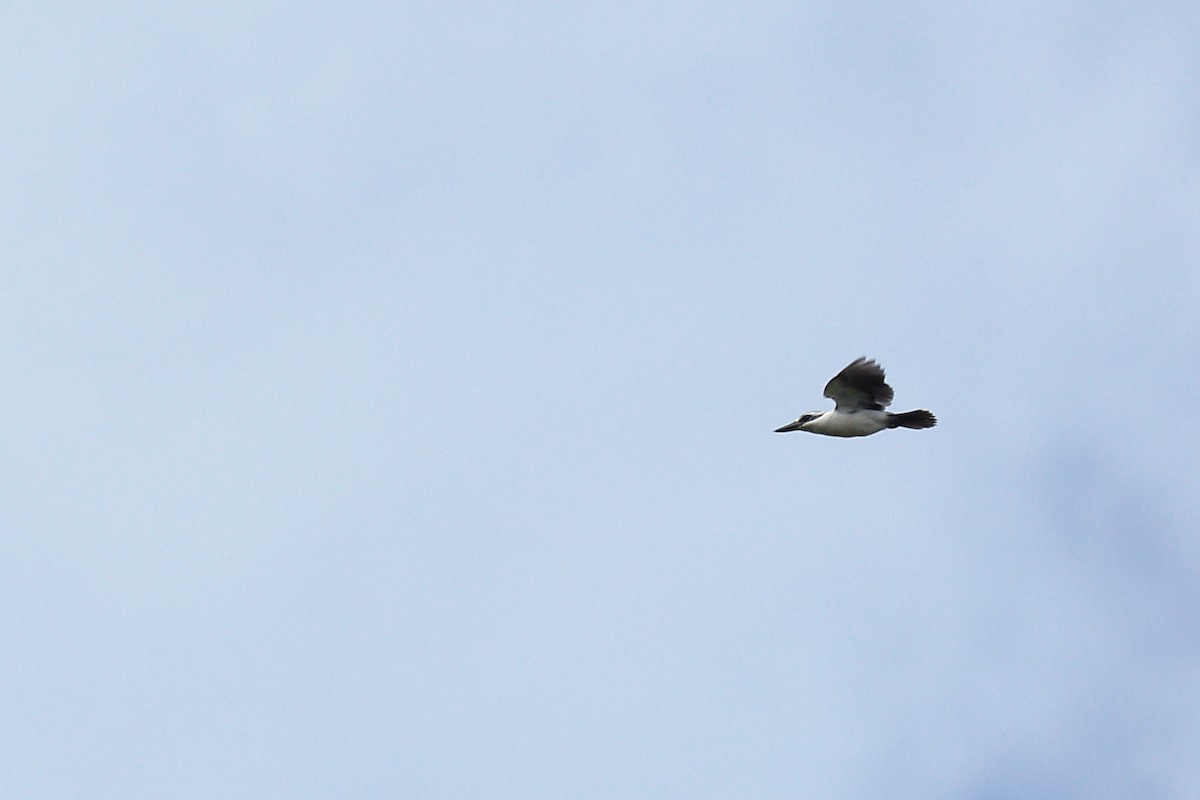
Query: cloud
{"points": [[1130, 683]]}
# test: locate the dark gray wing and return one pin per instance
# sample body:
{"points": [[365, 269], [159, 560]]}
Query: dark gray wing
{"points": [[860, 385]]}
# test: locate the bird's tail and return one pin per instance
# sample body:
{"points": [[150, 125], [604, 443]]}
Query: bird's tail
{"points": [[912, 419]]}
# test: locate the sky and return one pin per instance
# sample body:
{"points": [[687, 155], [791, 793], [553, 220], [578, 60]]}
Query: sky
{"points": [[389, 395]]}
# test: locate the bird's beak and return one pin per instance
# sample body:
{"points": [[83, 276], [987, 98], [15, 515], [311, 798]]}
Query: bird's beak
{"points": [[791, 426]]}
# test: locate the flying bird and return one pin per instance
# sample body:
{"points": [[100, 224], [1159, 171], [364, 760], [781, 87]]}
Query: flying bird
{"points": [[861, 396]]}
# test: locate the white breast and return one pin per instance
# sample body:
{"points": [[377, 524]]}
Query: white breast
{"points": [[857, 423]]}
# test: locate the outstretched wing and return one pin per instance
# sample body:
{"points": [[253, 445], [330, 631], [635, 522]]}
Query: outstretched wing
{"points": [[860, 386]]}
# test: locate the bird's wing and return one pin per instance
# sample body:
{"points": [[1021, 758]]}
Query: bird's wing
{"points": [[860, 386]]}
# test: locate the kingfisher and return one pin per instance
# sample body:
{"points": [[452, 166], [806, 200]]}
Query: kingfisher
{"points": [[861, 395]]}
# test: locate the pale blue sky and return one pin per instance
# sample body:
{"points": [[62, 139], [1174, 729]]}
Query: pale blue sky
{"points": [[389, 393]]}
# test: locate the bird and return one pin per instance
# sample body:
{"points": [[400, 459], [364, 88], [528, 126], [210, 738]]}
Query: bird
{"points": [[861, 395]]}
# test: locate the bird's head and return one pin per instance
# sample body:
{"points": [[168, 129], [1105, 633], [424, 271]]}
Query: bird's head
{"points": [[798, 425]]}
